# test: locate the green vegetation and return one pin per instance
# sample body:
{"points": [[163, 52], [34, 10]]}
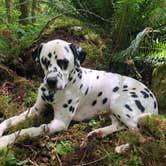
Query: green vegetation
{"points": [[159, 84], [64, 147], [111, 32]]}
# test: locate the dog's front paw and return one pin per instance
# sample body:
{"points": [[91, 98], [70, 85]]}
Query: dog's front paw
{"points": [[3, 142], [6, 140], [95, 134], [2, 129]]}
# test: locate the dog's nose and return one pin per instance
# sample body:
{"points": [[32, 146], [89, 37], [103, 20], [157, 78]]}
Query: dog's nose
{"points": [[51, 82]]}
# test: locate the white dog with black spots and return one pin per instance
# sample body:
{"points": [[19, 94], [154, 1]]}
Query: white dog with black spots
{"points": [[77, 93]]}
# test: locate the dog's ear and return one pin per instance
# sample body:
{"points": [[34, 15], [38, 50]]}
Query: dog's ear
{"points": [[78, 53], [36, 53]]}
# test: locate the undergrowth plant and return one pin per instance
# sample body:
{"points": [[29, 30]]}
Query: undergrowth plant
{"points": [[132, 16]]}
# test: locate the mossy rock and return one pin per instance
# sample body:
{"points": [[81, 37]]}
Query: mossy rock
{"points": [[159, 85]]}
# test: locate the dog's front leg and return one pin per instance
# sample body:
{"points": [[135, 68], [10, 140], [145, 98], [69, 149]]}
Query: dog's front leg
{"points": [[35, 110], [55, 126]]}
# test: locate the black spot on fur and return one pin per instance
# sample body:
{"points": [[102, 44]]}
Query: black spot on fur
{"points": [[124, 90], [81, 86], [78, 69], [45, 62], [94, 103], [128, 107], [43, 98], [70, 78], [139, 105], [104, 100], [116, 89], [55, 56], [49, 55], [97, 77], [86, 92], [43, 89], [118, 116], [80, 75], [147, 90], [71, 109], [74, 81], [67, 50], [55, 69], [125, 86], [36, 109], [133, 93], [128, 115], [65, 105], [99, 94], [114, 115], [133, 88], [134, 96], [63, 63], [69, 101], [144, 94], [151, 95], [155, 104], [48, 97]]}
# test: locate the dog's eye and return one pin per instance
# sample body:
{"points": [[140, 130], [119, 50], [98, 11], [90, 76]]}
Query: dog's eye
{"points": [[63, 63], [45, 62]]}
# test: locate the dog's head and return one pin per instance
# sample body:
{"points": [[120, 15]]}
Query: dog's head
{"points": [[58, 58]]}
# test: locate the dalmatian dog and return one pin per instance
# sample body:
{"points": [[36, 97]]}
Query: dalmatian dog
{"points": [[77, 93]]}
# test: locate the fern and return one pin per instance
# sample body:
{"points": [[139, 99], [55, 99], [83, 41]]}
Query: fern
{"points": [[133, 15]]}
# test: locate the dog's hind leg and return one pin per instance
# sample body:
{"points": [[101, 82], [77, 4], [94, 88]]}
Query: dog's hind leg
{"points": [[102, 132], [35, 110]]}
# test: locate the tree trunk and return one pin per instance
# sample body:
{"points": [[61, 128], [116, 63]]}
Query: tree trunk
{"points": [[8, 5], [33, 10], [24, 9]]}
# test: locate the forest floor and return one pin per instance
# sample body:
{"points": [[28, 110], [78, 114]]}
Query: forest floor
{"points": [[69, 148]]}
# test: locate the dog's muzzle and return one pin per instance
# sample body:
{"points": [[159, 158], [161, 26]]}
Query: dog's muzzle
{"points": [[52, 82]]}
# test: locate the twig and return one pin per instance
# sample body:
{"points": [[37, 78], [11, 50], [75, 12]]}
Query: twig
{"points": [[92, 162], [58, 158], [83, 157], [31, 162]]}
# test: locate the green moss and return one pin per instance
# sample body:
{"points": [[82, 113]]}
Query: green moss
{"points": [[30, 98], [66, 22], [45, 117], [29, 122], [155, 126], [7, 108], [159, 85], [79, 28], [133, 137], [151, 149], [91, 49]]}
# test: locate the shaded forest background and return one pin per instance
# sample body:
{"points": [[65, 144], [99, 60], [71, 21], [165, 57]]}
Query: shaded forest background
{"points": [[115, 35]]}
